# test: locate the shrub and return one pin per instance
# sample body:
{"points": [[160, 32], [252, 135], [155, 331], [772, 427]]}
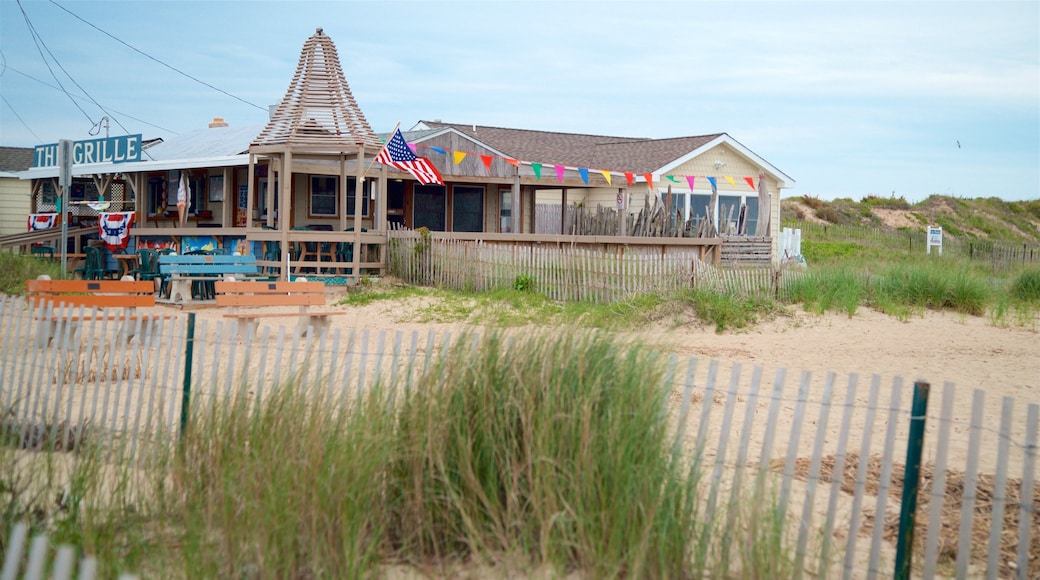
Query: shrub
{"points": [[523, 283], [1026, 286], [828, 214]]}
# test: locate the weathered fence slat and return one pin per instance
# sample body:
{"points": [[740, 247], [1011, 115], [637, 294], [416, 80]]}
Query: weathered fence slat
{"points": [[873, 567], [970, 484], [996, 524], [837, 474], [937, 492], [1025, 511]]}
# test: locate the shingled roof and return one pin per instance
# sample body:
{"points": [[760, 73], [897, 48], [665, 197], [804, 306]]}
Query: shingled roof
{"points": [[318, 107], [638, 154], [13, 159]]}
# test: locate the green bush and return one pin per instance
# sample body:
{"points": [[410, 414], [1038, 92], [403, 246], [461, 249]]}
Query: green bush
{"points": [[523, 283], [1026, 286]]}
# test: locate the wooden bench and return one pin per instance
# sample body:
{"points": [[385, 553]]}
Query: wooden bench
{"points": [[90, 294], [252, 293], [180, 271]]}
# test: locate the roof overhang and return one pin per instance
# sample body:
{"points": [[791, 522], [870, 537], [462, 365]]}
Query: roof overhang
{"points": [[782, 179], [139, 166]]}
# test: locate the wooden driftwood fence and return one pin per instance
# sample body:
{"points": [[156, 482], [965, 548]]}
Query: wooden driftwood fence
{"points": [[828, 451]]}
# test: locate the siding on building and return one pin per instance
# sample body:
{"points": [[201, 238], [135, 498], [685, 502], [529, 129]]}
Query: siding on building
{"points": [[14, 192]]}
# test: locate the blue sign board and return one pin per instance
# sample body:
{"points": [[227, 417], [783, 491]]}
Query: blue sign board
{"points": [[101, 150]]}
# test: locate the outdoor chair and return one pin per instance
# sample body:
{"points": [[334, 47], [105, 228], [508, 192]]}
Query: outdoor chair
{"points": [[43, 252], [345, 251], [93, 266]]}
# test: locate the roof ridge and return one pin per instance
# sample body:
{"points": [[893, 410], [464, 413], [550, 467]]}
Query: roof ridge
{"points": [[627, 140], [318, 107]]}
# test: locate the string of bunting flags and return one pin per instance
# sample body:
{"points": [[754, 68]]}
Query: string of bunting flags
{"points": [[560, 170]]}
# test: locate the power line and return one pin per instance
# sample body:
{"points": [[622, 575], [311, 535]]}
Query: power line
{"points": [[37, 40], [78, 86], [128, 116], [19, 117], [146, 55]]}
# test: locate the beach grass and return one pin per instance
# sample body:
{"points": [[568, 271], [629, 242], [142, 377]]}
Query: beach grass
{"points": [[549, 453]]}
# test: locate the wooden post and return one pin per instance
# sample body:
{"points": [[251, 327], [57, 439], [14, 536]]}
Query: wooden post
{"points": [[911, 480]]}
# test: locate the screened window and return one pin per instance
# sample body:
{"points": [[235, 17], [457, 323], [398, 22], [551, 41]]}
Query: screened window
{"points": [[365, 199], [324, 199], [429, 207], [467, 213], [505, 210], [261, 198]]}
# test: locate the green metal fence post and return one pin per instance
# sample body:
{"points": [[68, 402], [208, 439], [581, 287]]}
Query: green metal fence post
{"points": [[911, 480], [189, 348]]}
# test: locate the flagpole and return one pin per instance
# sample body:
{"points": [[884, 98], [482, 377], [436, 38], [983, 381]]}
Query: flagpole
{"points": [[380, 151]]}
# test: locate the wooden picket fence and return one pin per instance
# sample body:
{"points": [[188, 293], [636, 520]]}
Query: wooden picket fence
{"points": [[61, 567], [828, 451], [999, 254], [561, 273]]}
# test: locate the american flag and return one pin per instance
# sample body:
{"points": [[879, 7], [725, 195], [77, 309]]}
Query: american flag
{"points": [[397, 153]]}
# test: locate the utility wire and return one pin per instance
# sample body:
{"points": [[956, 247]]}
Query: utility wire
{"points": [[128, 116], [37, 40], [146, 55], [19, 117], [78, 86]]}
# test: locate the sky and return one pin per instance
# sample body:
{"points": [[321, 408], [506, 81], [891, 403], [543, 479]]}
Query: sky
{"points": [[849, 99]]}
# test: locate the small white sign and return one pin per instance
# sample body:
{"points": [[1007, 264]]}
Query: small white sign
{"points": [[934, 239], [620, 200]]}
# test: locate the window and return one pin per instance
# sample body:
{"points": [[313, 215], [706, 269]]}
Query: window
{"points": [[751, 215], [197, 182], [261, 198], [324, 199], [48, 195], [698, 207], [467, 209], [351, 197], [505, 210], [428, 207]]}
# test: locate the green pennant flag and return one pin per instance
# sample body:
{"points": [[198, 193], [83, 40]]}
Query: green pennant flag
{"points": [[537, 170]]}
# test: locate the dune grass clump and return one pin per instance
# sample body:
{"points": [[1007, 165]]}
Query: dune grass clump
{"points": [[544, 453], [1026, 286], [828, 288], [552, 449]]}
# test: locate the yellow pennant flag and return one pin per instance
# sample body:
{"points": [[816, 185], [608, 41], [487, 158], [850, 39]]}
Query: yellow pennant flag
{"points": [[459, 156], [730, 180], [606, 175]]}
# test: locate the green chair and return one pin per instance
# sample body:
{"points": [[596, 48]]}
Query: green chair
{"points": [[272, 253], [147, 265], [164, 285], [201, 289], [93, 266], [42, 252], [345, 251]]}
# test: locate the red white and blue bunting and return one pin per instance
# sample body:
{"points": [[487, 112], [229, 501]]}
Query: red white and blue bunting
{"points": [[114, 229], [42, 221]]}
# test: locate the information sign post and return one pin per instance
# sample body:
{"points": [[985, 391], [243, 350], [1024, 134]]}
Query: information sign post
{"points": [[65, 183], [934, 239]]}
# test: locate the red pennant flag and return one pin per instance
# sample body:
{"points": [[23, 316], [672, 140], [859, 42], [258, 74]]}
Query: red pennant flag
{"points": [[628, 177], [649, 180], [750, 182], [487, 162], [511, 161]]}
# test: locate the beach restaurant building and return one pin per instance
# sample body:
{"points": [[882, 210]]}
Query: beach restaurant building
{"points": [[309, 178]]}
